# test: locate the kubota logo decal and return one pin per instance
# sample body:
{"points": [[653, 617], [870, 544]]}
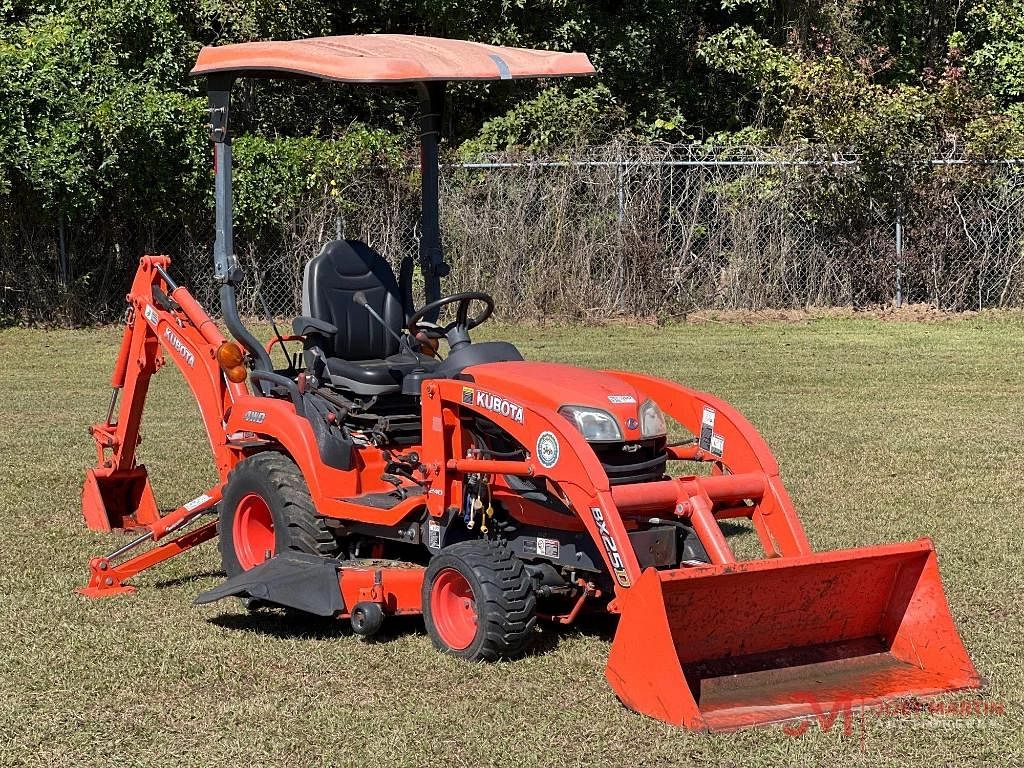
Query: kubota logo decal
{"points": [[499, 405], [180, 348], [618, 567], [547, 450]]}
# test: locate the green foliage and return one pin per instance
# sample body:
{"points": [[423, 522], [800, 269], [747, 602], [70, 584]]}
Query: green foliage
{"points": [[274, 177], [742, 60], [101, 128], [555, 117]]}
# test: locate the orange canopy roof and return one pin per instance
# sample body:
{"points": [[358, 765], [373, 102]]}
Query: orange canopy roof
{"points": [[388, 59]]}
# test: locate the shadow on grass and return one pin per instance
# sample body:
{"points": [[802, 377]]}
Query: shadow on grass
{"points": [[179, 581], [730, 529], [597, 624], [290, 625], [287, 624]]}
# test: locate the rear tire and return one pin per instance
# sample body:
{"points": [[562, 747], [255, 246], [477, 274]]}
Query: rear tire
{"points": [[478, 602], [267, 506]]}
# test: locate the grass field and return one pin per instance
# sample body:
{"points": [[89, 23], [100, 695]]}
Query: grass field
{"points": [[885, 431]]}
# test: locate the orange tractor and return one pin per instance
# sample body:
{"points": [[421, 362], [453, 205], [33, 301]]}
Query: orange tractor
{"points": [[372, 476]]}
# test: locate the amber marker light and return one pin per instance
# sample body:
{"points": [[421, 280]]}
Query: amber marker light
{"points": [[232, 361]]}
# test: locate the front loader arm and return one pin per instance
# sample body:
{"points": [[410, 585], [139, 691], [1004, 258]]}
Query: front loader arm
{"points": [[744, 481], [557, 451], [725, 437]]}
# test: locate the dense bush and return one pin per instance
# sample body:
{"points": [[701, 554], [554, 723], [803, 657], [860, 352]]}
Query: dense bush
{"points": [[103, 153]]}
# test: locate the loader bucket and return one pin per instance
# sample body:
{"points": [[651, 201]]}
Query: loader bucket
{"points": [[721, 647], [118, 500]]}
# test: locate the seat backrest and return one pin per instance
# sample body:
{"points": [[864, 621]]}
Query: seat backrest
{"points": [[329, 285]]}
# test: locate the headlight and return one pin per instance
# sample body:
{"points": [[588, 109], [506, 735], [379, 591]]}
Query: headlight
{"points": [[652, 420], [595, 425]]}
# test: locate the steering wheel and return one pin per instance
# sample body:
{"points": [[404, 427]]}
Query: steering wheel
{"points": [[457, 331]]}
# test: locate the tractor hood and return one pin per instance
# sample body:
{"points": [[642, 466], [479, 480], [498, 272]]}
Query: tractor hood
{"points": [[501, 387]]}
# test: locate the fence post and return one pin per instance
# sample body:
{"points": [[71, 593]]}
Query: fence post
{"points": [[63, 267], [622, 189], [899, 259]]}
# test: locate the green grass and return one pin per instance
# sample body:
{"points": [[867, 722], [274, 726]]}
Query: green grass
{"points": [[884, 431]]}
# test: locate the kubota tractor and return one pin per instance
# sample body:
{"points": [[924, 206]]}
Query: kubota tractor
{"points": [[392, 465]]}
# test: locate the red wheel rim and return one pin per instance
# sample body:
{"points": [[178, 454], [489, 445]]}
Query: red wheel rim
{"points": [[252, 531], [453, 609]]}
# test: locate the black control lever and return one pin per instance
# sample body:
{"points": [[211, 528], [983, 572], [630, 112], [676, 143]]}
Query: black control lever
{"points": [[360, 299]]}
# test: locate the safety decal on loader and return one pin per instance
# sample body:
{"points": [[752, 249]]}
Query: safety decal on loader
{"points": [[151, 316], [709, 439], [198, 501], [707, 427]]}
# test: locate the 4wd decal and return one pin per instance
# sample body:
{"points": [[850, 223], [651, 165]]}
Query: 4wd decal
{"points": [[180, 348], [256, 417], [618, 567], [499, 405]]}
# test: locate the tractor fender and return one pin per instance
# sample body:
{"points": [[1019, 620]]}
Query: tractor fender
{"points": [[277, 421]]}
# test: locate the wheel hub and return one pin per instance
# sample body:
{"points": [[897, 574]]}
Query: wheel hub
{"points": [[253, 531], [453, 609]]}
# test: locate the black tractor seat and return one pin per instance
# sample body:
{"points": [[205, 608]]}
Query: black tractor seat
{"points": [[344, 344], [372, 377], [347, 348]]}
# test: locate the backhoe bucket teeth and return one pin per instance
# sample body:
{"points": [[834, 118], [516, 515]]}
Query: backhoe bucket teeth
{"points": [[721, 647], [118, 500]]}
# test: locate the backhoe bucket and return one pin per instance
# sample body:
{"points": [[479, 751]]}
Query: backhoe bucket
{"points": [[113, 500], [721, 647]]}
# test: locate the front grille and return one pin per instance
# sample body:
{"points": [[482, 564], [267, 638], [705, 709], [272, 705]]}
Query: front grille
{"points": [[636, 462]]}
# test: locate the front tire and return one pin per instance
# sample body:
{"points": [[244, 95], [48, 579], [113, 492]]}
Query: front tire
{"points": [[478, 602], [267, 509]]}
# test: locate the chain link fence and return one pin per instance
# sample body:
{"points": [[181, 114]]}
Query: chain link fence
{"points": [[643, 231]]}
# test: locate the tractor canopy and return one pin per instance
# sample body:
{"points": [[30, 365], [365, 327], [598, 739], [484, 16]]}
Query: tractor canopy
{"points": [[384, 59], [425, 63]]}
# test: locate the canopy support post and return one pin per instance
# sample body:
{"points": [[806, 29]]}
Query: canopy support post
{"points": [[227, 271], [432, 263]]}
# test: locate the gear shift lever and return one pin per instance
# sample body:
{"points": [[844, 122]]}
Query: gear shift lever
{"points": [[360, 299]]}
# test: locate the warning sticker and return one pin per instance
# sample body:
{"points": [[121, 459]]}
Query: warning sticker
{"points": [[707, 427], [717, 444], [547, 547], [196, 502], [433, 535]]}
